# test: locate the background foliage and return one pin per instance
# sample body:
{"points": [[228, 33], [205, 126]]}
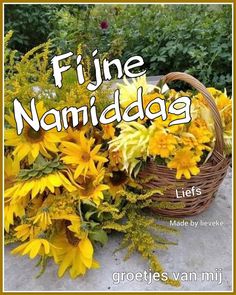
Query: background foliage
{"points": [[192, 38]]}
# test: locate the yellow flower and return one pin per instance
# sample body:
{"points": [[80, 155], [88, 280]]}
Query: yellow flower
{"points": [[62, 215], [43, 219], [34, 247], [108, 131], [226, 116], [31, 143], [128, 91], [162, 144], [185, 161], [82, 155], [224, 105], [132, 142], [11, 170], [78, 257], [34, 204], [200, 131], [115, 159], [74, 226], [72, 135], [26, 231], [13, 209], [37, 186], [190, 141], [147, 98], [163, 125], [213, 91], [117, 181], [222, 102], [92, 187]]}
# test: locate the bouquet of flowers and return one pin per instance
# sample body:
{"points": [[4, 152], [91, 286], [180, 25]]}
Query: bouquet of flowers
{"points": [[65, 192]]}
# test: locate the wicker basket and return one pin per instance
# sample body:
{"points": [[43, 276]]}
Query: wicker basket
{"points": [[211, 173]]}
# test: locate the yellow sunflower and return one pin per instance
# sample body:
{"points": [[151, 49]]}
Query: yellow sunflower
{"points": [[92, 186], [72, 135], [13, 209], [78, 257], [33, 248], [82, 155], [36, 186], [31, 143], [11, 170], [117, 181]]}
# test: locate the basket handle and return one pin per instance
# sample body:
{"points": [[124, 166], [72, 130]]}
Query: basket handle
{"points": [[219, 145]]}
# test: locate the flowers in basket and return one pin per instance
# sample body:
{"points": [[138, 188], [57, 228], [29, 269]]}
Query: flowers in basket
{"points": [[65, 192], [182, 147]]}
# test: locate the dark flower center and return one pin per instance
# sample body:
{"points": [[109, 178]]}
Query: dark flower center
{"points": [[71, 238], [34, 136], [118, 177], [85, 157]]}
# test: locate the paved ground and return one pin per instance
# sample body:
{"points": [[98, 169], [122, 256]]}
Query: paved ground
{"points": [[200, 249]]}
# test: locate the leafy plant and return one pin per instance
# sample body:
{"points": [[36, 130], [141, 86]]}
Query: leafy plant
{"points": [[32, 23], [192, 38]]}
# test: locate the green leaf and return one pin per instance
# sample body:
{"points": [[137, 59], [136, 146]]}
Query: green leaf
{"points": [[88, 202], [89, 214], [99, 236], [54, 164], [48, 170], [32, 173]]}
